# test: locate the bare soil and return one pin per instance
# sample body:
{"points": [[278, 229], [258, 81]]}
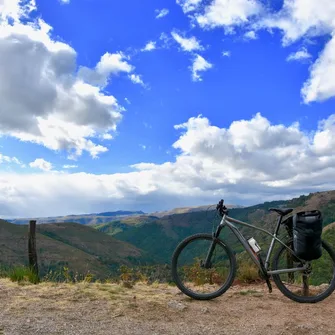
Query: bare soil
{"points": [[85, 308]]}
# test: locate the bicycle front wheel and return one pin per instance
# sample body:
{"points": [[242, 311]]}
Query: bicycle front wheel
{"points": [[309, 286], [198, 279]]}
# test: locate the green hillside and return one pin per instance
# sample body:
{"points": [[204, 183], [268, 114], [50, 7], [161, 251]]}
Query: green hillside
{"points": [[117, 226], [78, 247]]}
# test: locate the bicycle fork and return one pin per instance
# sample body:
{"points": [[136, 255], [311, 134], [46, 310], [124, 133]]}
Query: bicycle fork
{"points": [[207, 264]]}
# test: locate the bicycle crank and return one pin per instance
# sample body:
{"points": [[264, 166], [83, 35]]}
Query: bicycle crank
{"points": [[263, 273]]}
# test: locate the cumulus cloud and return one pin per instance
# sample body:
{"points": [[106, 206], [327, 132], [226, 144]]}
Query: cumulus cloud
{"points": [[161, 13], [51, 104], [187, 44], [226, 13], [299, 18], [321, 83], [248, 162], [200, 64], [109, 64], [300, 55], [16, 9], [41, 164], [149, 46], [226, 53]]}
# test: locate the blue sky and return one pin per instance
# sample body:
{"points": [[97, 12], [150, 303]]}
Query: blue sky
{"points": [[252, 58]]}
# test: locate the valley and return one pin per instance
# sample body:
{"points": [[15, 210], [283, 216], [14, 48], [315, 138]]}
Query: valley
{"points": [[141, 239]]}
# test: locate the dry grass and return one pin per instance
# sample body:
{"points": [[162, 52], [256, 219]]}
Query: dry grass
{"points": [[330, 226], [109, 308], [247, 273]]}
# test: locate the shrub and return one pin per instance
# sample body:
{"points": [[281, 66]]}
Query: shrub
{"points": [[247, 273], [23, 274]]}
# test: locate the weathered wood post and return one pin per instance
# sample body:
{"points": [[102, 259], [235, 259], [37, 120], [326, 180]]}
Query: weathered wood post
{"points": [[32, 254]]}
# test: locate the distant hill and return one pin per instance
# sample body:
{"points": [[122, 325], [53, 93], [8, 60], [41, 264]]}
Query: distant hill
{"points": [[131, 217], [86, 219], [80, 248], [158, 236], [184, 210]]}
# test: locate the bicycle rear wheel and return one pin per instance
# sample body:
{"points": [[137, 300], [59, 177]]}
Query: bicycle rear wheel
{"points": [[310, 286], [189, 271]]}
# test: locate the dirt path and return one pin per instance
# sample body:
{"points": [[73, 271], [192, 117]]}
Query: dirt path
{"points": [[157, 309]]}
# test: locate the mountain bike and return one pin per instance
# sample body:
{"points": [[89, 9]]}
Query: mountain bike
{"points": [[204, 266]]}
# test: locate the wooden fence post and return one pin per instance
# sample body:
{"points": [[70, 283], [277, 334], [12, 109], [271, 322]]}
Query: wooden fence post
{"points": [[32, 254]]}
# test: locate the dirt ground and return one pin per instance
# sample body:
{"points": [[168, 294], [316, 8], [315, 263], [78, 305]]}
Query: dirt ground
{"points": [[156, 309]]}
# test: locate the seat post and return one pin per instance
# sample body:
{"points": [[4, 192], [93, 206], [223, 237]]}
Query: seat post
{"points": [[278, 225]]}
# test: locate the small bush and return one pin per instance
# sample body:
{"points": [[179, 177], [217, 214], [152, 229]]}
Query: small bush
{"points": [[127, 276], [247, 273], [23, 274]]}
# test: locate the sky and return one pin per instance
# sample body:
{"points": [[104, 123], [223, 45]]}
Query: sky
{"points": [[150, 105]]}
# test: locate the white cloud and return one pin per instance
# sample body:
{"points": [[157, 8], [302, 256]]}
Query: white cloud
{"points": [[225, 13], [305, 19], [187, 44], [189, 5], [300, 55], [143, 146], [67, 166], [249, 162], [161, 13], [127, 101], [109, 64], [299, 18], [136, 79], [321, 84], [199, 65], [226, 53], [65, 1], [41, 164], [149, 46], [250, 35], [16, 9], [9, 160], [107, 136], [51, 105]]}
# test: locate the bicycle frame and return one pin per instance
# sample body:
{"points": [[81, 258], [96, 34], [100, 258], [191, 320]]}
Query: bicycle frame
{"points": [[229, 222]]}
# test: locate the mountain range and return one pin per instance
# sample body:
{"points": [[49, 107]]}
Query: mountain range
{"points": [[100, 218]]}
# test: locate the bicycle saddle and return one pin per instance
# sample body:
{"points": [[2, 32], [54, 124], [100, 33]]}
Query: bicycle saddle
{"points": [[281, 211]]}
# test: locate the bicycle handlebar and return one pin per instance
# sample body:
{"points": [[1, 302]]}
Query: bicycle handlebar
{"points": [[221, 208]]}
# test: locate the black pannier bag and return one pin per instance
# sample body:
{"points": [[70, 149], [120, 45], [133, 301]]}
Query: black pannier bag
{"points": [[307, 230]]}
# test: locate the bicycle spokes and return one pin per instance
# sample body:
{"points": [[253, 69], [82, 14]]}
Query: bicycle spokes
{"points": [[312, 281], [200, 273]]}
